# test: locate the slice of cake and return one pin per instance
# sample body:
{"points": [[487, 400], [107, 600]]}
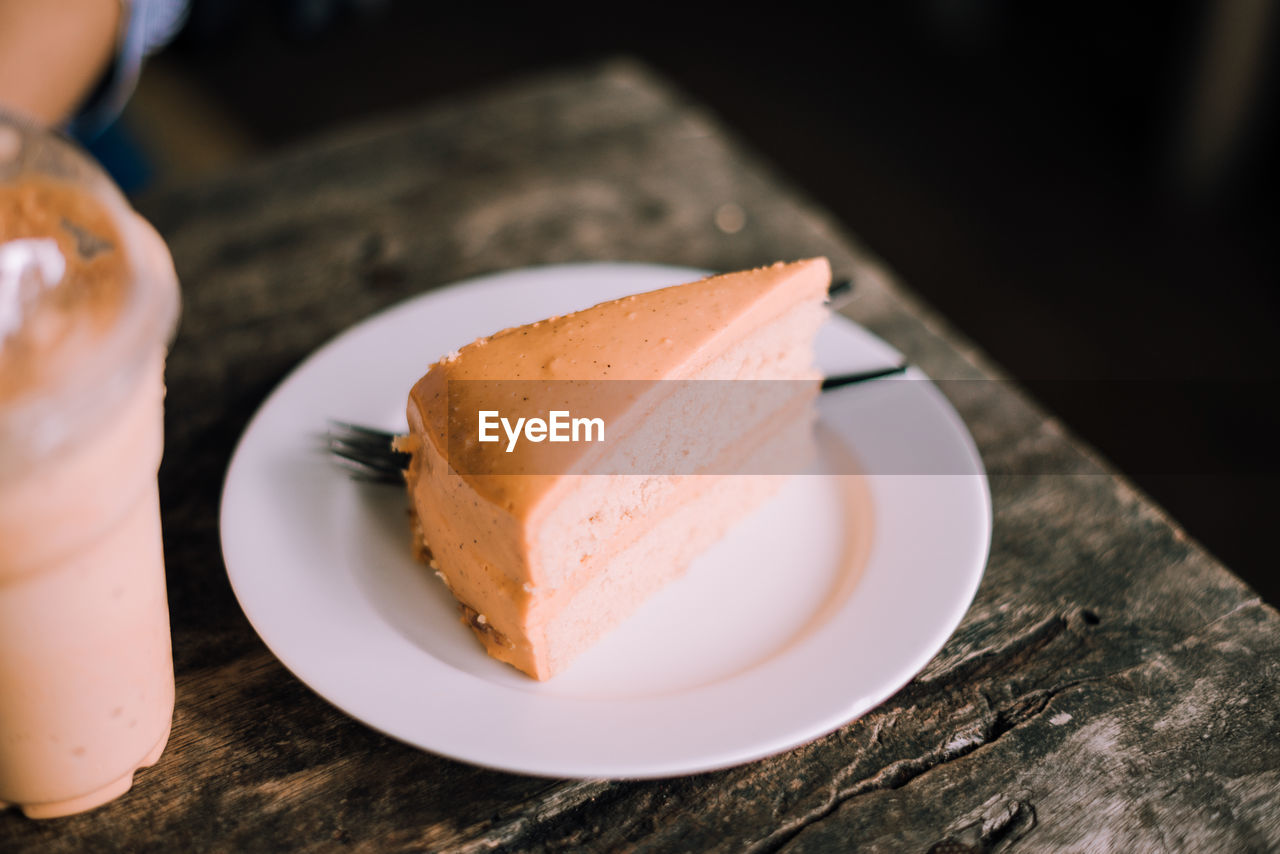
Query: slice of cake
{"points": [[549, 543]]}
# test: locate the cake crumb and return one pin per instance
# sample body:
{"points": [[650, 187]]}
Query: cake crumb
{"points": [[481, 624], [405, 444]]}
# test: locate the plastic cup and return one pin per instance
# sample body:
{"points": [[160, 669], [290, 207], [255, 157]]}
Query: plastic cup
{"points": [[86, 668]]}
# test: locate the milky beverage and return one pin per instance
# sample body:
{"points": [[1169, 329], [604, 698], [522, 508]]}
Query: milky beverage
{"points": [[88, 300]]}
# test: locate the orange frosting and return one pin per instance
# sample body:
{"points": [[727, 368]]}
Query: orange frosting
{"points": [[668, 334]]}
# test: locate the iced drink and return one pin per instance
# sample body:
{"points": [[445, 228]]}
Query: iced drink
{"points": [[88, 300]]}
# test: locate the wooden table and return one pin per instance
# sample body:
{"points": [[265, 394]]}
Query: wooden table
{"points": [[1112, 687]]}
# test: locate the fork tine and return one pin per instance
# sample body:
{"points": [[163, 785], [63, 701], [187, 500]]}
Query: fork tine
{"points": [[366, 452], [359, 446], [358, 470], [378, 460], [353, 430]]}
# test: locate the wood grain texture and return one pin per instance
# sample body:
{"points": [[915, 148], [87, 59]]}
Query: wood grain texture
{"points": [[1112, 688]]}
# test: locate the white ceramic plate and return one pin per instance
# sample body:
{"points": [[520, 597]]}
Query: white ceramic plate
{"points": [[833, 606]]}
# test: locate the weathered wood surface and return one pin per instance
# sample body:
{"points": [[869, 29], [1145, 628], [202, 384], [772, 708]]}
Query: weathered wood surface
{"points": [[1112, 688]]}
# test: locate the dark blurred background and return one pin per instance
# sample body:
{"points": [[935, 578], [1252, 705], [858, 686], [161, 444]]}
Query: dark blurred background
{"points": [[1086, 190]]}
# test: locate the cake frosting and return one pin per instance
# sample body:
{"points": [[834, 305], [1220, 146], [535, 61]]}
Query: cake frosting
{"points": [[547, 553]]}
